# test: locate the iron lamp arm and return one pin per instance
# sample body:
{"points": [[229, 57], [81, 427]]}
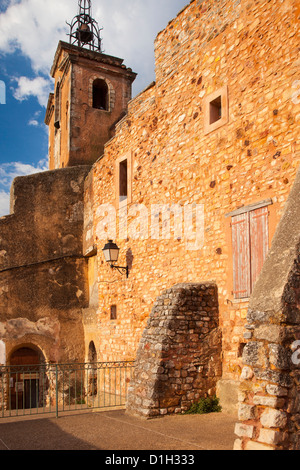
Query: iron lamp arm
{"points": [[121, 269]]}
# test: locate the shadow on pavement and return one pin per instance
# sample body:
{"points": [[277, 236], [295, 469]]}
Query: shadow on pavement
{"points": [[115, 430]]}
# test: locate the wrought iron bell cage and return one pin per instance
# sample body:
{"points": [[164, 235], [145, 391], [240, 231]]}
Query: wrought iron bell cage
{"points": [[84, 30]]}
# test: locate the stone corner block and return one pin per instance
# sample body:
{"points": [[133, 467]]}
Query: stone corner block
{"points": [[273, 418], [251, 445], [244, 430]]}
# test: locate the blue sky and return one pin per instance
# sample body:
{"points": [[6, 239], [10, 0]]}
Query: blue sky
{"points": [[29, 34]]}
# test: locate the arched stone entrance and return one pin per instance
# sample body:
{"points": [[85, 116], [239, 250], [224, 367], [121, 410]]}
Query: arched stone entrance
{"points": [[25, 380]]}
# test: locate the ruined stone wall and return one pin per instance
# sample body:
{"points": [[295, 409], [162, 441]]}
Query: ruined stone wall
{"points": [[252, 49], [269, 409], [43, 275], [179, 356]]}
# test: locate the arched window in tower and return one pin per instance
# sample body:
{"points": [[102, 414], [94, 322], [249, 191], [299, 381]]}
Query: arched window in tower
{"points": [[100, 95], [57, 107]]}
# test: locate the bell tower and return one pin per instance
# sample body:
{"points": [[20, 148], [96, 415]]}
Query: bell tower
{"points": [[91, 94]]}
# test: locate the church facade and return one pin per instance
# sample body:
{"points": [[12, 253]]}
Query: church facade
{"points": [[189, 178]]}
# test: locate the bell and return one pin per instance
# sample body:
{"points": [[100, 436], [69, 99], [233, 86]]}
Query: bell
{"points": [[84, 34]]}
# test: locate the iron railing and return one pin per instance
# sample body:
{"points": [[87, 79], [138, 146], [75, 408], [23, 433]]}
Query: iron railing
{"points": [[56, 388]]}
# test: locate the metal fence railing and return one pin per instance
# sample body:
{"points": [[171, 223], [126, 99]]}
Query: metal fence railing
{"points": [[56, 388]]}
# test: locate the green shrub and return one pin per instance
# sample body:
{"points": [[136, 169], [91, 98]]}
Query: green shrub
{"points": [[205, 405]]}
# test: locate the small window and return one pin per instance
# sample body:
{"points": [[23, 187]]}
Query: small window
{"points": [[57, 106], [113, 312], [215, 110], [100, 95], [123, 181]]}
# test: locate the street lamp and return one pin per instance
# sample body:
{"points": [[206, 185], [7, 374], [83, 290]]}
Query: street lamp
{"points": [[111, 255]]}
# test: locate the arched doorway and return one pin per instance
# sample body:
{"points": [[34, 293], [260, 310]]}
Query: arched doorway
{"points": [[24, 381]]}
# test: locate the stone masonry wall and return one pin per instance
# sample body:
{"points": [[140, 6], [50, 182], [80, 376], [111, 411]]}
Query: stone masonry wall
{"points": [[252, 48], [179, 356], [269, 408], [43, 274]]}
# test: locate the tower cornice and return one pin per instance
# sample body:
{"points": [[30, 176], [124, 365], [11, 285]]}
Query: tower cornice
{"points": [[75, 52]]}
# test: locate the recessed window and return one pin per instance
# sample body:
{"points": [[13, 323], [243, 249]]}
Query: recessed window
{"points": [[57, 107], [215, 110], [100, 95], [113, 312], [123, 180]]}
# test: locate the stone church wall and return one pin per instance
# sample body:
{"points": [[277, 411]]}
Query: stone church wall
{"points": [[249, 52]]}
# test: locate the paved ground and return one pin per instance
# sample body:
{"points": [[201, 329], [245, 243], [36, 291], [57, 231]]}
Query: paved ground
{"points": [[114, 430]]}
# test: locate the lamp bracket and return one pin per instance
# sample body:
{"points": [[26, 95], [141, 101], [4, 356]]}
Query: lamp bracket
{"points": [[121, 269]]}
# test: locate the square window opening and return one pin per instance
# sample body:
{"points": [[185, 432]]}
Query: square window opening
{"points": [[113, 312], [216, 110]]}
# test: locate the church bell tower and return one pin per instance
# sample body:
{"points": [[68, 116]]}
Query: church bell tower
{"points": [[91, 94]]}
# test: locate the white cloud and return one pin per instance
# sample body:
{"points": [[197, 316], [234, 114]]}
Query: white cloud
{"points": [[9, 171], [4, 203], [38, 87], [33, 122], [35, 26]]}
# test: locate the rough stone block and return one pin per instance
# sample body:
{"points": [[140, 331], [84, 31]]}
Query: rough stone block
{"points": [[273, 418], [251, 445], [246, 412], [269, 436], [244, 430]]}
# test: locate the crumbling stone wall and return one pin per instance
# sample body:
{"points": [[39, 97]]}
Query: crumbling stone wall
{"points": [[43, 274], [269, 407], [179, 356]]}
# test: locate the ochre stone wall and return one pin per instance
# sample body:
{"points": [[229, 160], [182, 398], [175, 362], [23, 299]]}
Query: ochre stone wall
{"points": [[249, 49]]}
